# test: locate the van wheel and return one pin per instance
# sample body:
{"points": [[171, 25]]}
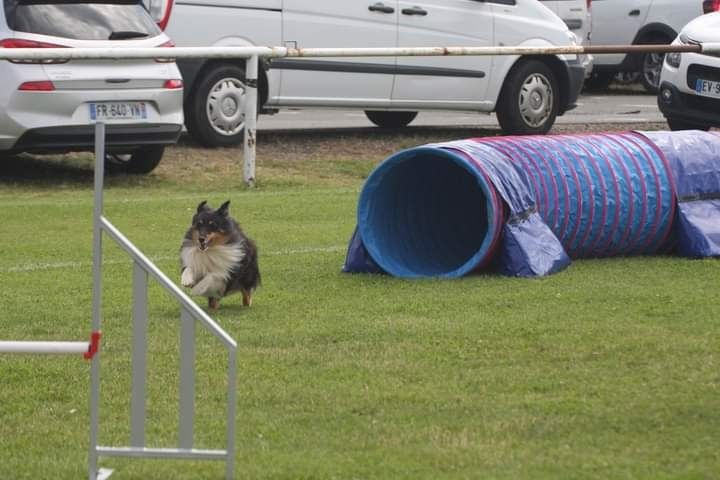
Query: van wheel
{"points": [[215, 115], [140, 161], [386, 119], [529, 100]]}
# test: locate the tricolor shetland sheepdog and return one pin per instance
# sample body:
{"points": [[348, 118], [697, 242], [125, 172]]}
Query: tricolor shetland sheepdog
{"points": [[217, 258]]}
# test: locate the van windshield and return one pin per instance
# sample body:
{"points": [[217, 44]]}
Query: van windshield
{"points": [[81, 20]]}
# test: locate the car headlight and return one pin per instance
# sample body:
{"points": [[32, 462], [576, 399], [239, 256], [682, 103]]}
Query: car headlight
{"points": [[673, 59]]}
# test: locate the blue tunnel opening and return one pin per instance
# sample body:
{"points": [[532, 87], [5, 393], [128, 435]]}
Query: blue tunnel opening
{"points": [[428, 212]]}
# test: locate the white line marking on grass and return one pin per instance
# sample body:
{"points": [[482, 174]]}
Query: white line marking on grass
{"points": [[35, 267]]}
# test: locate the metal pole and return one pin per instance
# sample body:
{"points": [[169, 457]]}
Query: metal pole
{"points": [[231, 407], [44, 347], [251, 83], [97, 298], [139, 356], [187, 379]]}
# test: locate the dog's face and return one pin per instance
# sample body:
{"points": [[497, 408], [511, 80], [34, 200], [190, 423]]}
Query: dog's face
{"points": [[210, 227]]}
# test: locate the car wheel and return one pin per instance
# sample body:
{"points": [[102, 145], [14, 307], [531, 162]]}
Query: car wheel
{"points": [[650, 71], [386, 119], [140, 161], [216, 111], [529, 99], [680, 124]]}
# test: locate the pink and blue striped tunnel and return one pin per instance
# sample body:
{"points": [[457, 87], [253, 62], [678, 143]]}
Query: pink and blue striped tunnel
{"points": [[440, 210]]}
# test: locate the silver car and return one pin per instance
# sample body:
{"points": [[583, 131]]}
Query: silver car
{"points": [[51, 106]]}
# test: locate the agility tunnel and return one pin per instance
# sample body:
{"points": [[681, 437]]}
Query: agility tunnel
{"points": [[524, 206]]}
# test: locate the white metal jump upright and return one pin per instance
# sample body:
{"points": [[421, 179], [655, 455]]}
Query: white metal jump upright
{"points": [[190, 313]]}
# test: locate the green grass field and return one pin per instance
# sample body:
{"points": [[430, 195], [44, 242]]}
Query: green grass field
{"points": [[610, 369]]}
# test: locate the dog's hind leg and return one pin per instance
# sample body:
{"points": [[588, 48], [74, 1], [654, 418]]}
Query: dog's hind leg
{"points": [[247, 297]]}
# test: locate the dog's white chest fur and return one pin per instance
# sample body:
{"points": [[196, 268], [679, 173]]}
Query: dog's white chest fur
{"points": [[216, 260]]}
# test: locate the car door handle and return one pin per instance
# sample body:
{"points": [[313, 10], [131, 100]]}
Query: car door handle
{"points": [[634, 13], [414, 11], [381, 7]]}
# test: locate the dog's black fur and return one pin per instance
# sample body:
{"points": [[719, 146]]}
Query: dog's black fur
{"points": [[217, 258]]}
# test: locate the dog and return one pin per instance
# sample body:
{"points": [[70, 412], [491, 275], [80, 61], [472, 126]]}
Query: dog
{"points": [[217, 258]]}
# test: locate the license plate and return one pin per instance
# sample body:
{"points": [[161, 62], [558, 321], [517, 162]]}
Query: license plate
{"points": [[707, 88], [114, 111]]}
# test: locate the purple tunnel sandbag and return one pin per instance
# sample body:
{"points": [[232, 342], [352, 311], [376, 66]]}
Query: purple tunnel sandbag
{"points": [[523, 204]]}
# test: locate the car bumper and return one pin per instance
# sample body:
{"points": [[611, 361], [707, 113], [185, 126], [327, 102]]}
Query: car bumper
{"points": [[689, 107], [576, 71], [118, 137], [46, 116]]}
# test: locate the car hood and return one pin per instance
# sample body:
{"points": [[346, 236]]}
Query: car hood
{"points": [[705, 28]]}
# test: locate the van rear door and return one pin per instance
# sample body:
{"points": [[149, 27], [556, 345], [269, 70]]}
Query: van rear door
{"points": [[443, 81], [339, 81]]}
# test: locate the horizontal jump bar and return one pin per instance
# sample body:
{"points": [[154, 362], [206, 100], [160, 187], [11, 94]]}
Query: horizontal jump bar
{"points": [[116, 53], [44, 347], [139, 452]]}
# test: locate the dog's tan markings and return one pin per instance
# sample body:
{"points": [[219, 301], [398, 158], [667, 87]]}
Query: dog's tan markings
{"points": [[216, 238], [213, 303], [247, 297]]}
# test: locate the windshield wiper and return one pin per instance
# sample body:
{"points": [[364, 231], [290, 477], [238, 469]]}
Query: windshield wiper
{"points": [[126, 34]]}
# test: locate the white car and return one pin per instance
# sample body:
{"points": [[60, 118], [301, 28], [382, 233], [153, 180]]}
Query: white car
{"points": [[631, 22], [527, 93], [51, 106], [689, 95]]}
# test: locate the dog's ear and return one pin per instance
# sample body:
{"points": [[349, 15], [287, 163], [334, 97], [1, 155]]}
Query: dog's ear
{"points": [[223, 210], [201, 206]]}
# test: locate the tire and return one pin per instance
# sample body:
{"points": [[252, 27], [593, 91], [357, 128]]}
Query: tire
{"points": [[529, 101], [387, 119], [626, 78], [650, 68], [140, 162], [598, 81], [676, 124], [215, 111]]}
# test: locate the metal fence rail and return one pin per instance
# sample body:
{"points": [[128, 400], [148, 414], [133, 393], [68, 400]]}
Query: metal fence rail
{"points": [[251, 54]]}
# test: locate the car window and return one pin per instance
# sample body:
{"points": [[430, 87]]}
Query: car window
{"points": [[81, 20]]}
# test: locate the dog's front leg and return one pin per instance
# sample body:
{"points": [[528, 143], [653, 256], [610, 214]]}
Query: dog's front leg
{"points": [[188, 278]]}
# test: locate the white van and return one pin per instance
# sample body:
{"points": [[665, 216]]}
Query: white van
{"points": [[526, 93], [633, 22]]}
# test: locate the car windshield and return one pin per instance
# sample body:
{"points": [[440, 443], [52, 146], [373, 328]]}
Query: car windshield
{"points": [[81, 20]]}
